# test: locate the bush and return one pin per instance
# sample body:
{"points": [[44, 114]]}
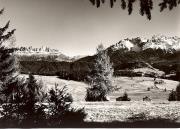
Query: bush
{"points": [[172, 96], [94, 94], [22, 108], [175, 95], [146, 98], [178, 92], [61, 113], [74, 116], [165, 90], [123, 98]]}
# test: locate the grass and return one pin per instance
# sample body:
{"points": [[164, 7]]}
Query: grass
{"points": [[136, 87], [121, 111], [117, 113]]}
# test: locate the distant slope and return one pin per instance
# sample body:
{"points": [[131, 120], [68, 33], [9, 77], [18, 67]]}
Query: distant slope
{"points": [[42, 54], [159, 52]]}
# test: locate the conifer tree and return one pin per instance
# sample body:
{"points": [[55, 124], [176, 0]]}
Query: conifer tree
{"points": [[101, 78], [172, 96], [61, 112], [32, 113], [146, 6], [178, 92], [8, 62]]}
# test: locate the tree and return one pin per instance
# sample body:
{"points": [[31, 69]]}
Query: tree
{"points": [[101, 78], [178, 92], [123, 98], [146, 6], [172, 96], [8, 62], [33, 114], [61, 112]]}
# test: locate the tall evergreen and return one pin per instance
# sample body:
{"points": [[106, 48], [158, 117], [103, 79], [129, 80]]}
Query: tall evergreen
{"points": [[101, 78], [178, 92], [8, 63], [32, 113]]}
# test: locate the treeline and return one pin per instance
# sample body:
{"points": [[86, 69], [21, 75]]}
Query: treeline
{"points": [[121, 60], [35, 57], [65, 70]]}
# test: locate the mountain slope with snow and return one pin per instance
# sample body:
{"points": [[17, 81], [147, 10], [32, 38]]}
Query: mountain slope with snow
{"points": [[163, 42], [156, 42], [43, 54]]}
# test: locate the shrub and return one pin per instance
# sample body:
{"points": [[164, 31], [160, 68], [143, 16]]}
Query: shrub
{"points": [[165, 90], [148, 89], [123, 98], [178, 92], [172, 96], [146, 98], [74, 116], [175, 95], [61, 113], [94, 94], [23, 110]]}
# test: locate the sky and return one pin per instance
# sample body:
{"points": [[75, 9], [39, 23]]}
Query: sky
{"points": [[75, 27]]}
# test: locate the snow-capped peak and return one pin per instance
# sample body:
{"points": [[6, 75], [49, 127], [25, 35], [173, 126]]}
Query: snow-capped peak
{"points": [[124, 44], [163, 42], [156, 42]]}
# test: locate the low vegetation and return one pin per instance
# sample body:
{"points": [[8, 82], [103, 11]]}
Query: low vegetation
{"points": [[123, 98], [28, 110], [175, 95]]}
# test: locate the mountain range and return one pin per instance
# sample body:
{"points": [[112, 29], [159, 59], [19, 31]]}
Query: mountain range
{"points": [[156, 42], [157, 53]]}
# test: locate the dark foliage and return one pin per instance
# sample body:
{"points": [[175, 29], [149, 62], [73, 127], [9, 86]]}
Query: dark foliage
{"points": [[175, 95], [65, 70], [61, 112], [123, 98], [74, 117], [172, 96], [7, 58], [95, 94], [178, 93], [22, 110], [26, 110], [146, 98], [146, 6], [80, 69]]}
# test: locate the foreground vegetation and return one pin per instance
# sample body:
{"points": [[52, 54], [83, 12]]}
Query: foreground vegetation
{"points": [[25, 102]]}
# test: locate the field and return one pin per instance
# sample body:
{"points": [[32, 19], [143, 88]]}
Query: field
{"points": [[136, 88]]}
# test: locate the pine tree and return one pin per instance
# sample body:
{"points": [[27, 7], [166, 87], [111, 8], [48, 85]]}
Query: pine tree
{"points": [[8, 62], [101, 78], [32, 114], [178, 93], [146, 6], [172, 96], [61, 112]]}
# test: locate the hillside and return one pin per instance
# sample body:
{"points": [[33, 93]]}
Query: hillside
{"points": [[121, 111], [158, 54], [136, 87]]}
